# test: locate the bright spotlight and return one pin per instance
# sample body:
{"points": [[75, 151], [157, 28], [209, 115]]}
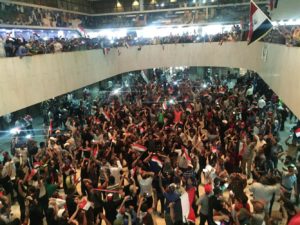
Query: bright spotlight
{"points": [[204, 85], [175, 83], [116, 91], [28, 136], [171, 102], [162, 5], [15, 130]]}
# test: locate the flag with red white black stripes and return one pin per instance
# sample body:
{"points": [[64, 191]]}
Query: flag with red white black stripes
{"points": [[260, 24]]}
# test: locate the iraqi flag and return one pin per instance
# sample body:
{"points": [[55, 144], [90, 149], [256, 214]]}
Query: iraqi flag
{"points": [[138, 147], [214, 149], [32, 173], [106, 116], [189, 108], [157, 161], [85, 204], [297, 132], [50, 130], [37, 165], [164, 105], [260, 24], [82, 31], [155, 164]]}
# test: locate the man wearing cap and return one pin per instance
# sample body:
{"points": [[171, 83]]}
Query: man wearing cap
{"points": [[203, 202], [289, 181]]}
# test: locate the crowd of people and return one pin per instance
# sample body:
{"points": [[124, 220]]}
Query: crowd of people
{"points": [[10, 46], [25, 15], [178, 150]]}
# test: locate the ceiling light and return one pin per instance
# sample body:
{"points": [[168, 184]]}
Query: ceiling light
{"points": [[135, 3]]}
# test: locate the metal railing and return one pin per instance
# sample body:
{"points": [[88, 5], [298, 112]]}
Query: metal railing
{"points": [[94, 7], [78, 6]]}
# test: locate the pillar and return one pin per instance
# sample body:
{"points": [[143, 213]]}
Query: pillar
{"points": [[141, 5]]}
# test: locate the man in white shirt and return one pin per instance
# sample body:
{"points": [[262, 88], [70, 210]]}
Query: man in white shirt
{"points": [[115, 170], [145, 182], [289, 181], [264, 192], [261, 106], [261, 103], [249, 92]]}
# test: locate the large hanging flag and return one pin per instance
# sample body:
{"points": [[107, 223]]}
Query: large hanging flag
{"points": [[260, 24]]}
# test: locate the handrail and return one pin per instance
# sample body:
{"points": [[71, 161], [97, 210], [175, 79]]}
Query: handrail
{"points": [[85, 6], [40, 46]]}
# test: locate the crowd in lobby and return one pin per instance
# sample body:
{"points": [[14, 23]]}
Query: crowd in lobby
{"points": [[179, 152]]}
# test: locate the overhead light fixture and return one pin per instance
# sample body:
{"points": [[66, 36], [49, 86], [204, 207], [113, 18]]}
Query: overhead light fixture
{"points": [[119, 5], [135, 3]]}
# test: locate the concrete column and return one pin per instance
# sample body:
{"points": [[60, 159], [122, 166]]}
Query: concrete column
{"points": [[206, 13], [141, 5]]}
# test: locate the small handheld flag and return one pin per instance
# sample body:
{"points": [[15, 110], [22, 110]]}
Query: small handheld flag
{"points": [[156, 160], [138, 147], [297, 132]]}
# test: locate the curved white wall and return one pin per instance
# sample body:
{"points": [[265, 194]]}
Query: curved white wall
{"points": [[30, 80]]}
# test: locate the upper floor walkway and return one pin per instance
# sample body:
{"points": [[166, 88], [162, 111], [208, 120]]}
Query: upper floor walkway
{"points": [[30, 80]]}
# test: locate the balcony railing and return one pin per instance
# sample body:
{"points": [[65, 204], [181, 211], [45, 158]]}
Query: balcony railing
{"points": [[26, 15], [94, 7]]}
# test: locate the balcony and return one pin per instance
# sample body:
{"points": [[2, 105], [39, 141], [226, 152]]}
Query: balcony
{"points": [[30, 80]]}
